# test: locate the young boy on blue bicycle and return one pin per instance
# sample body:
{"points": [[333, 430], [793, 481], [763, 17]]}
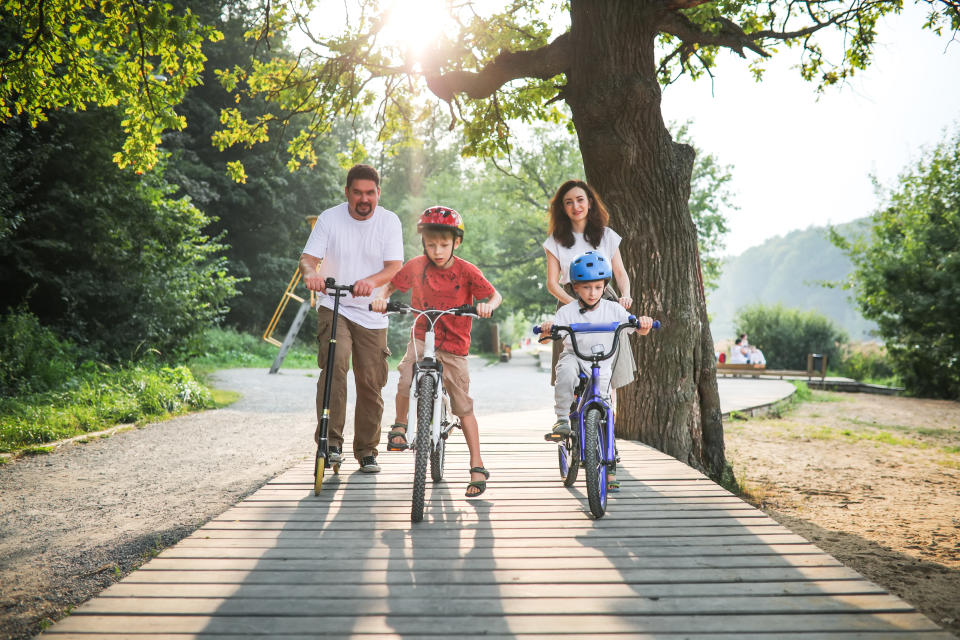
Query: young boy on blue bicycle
{"points": [[589, 275], [440, 280]]}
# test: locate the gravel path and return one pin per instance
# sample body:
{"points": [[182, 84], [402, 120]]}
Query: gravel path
{"points": [[73, 522]]}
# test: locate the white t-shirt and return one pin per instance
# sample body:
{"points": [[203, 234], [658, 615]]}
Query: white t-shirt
{"points": [[352, 250], [609, 244], [607, 311]]}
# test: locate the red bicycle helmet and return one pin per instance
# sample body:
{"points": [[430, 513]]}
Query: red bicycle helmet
{"points": [[440, 218]]}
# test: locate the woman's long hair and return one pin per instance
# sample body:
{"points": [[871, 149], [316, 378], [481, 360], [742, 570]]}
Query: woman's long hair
{"points": [[597, 216]]}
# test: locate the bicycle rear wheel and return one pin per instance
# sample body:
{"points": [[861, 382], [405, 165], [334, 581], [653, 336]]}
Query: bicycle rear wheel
{"points": [[593, 463], [425, 394], [568, 455]]}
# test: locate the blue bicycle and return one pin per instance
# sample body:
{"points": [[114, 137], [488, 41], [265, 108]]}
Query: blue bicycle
{"points": [[588, 442]]}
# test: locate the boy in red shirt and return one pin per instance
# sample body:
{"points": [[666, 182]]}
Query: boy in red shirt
{"points": [[441, 280]]}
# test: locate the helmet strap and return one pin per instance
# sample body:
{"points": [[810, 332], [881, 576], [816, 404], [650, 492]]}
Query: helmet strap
{"points": [[584, 307]]}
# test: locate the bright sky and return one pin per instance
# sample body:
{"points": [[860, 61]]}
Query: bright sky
{"points": [[799, 162]]}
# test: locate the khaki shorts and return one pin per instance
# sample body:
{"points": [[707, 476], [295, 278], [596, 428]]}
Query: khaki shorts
{"points": [[456, 377]]}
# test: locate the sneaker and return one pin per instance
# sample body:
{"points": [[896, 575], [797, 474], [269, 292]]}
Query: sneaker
{"points": [[334, 455], [368, 464], [561, 429]]}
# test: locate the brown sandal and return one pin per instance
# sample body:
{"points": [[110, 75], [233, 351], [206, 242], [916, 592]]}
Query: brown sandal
{"points": [[395, 432], [479, 484]]}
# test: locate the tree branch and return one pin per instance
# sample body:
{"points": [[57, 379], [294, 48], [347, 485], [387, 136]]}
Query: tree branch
{"points": [[730, 34], [545, 62]]}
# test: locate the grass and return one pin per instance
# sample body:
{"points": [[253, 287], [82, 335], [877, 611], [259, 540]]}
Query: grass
{"points": [[230, 349], [224, 398], [97, 398]]}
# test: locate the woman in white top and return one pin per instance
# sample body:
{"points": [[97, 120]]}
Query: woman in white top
{"points": [[578, 223]]}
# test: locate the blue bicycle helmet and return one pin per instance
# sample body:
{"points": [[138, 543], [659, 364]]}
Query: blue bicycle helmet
{"points": [[590, 266]]}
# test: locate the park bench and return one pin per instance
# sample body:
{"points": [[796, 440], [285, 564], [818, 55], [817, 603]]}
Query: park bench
{"points": [[816, 368]]}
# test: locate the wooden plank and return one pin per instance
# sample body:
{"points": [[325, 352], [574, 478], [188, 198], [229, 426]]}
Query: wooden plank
{"points": [[424, 561], [466, 517], [593, 635], [339, 626], [504, 591], [647, 544], [534, 576], [450, 552], [432, 533], [442, 522], [411, 604]]}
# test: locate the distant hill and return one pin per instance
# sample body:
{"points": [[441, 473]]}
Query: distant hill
{"points": [[788, 269]]}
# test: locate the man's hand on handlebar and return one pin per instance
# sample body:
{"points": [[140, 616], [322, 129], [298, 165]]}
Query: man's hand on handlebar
{"points": [[315, 282], [378, 304]]}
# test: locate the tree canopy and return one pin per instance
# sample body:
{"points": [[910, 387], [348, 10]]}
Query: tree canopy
{"points": [[72, 54], [907, 272]]}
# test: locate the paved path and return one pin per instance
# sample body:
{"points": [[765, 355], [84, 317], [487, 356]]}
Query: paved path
{"points": [[676, 556]]}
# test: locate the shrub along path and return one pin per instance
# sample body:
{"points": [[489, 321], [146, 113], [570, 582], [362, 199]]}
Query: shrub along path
{"points": [[74, 521]]}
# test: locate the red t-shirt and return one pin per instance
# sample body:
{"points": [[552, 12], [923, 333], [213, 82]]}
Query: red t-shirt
{"points": [[435, 288]]}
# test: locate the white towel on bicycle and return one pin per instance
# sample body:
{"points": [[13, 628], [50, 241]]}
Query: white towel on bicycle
{"points": [[606, 312]]}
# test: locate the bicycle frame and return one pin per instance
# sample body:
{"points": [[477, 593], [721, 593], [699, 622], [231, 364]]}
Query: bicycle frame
{"points": [[428, 365]]}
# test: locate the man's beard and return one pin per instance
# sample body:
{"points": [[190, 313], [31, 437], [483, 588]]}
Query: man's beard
{"points": [[363, 209]]}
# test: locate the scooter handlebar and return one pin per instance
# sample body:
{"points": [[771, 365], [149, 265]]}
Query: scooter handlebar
{"points": [[330, 283]]}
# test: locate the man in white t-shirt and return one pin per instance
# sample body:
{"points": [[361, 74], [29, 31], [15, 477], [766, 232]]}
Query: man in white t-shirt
{"points": [[358, 243]]}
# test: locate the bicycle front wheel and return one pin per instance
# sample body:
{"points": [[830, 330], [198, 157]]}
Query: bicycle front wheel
{"points": [[421, 446], [439, 450], [593, 463]]}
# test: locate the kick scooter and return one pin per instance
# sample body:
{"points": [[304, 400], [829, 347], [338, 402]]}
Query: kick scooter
{"points": [[335, 291]]}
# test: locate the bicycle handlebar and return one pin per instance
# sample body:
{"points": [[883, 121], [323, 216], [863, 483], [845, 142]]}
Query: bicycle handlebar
{"points": [[400, 307], [557, 332]]}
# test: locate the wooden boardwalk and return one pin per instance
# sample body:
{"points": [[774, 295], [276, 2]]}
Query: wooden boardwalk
{"points": [[676, 557]]}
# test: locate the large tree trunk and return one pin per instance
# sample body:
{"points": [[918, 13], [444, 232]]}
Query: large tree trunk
{"points": [[644, 178]]}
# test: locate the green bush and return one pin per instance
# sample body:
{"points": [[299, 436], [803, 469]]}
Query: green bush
{"points": [[787, 336], [32, 358], [868, 362], [97, 398]]}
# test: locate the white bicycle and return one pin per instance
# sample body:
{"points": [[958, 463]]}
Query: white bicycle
{"points": [[429, 417]]}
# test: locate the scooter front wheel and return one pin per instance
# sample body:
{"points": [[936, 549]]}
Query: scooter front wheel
{"points": [[318, 467]]}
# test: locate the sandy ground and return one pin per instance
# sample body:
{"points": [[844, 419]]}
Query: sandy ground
{"points": [[872, 480]]}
